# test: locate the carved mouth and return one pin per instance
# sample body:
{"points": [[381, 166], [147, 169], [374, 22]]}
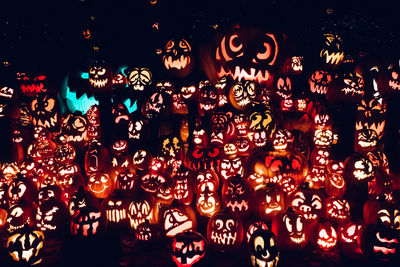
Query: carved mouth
{"points": [[332, 58], [223, 238], [261, 263], [115, 215], [394, 84], [352, 91], [98, 83], [51, 122], [310, 217], [207, 107], [318, 88], [178, 63], [326, 244], [298, 240], [251, 74], [235, 206]]}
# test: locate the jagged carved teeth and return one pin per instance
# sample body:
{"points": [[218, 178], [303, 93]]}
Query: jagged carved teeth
{"points": [[206, 107], [252, 74], [178, 63], [98, 82], [333, 58], [138, 87], [394, 84], [320, 89], [310, 216], [223, 238], [352, 91], [298, 240]]}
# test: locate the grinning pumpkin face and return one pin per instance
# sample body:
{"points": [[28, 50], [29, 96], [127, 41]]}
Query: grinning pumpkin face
{"points": [[358, 169], [263, 249], [188, 248], [283, 87], [337, 209], [100, 185], [307, 202], [324, 235], [51, 217], [365, 140], [224, 231], [247, 54], [126, 180], [100, 78], [348, 232], [269, 201], [208, 98], [178, 58], [332, 53], [115, 208], [319, 81], [202, 158], [208, 202], [33, 84], [20, 214], [371, 115], [236, 195], [139, 211], [86, 222], [44, 111], [139, 78], [25, 246], [156, 106]]}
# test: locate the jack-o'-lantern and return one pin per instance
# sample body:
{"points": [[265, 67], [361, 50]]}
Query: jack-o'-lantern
{"points": [[319, 156], [156, 106], [348, 87], [248, 54], [203, 158], [44, 110], [242, 94], [388, 80], [358, 169], [126, 181], [243, 145], [136, 128], [9, 171], [177, 220], [365, 140], [378, 159], [96, 158], [282, 139], [178, 58], [21, 188], [139, 78], [348, 232], [51, 217], [323, 235], [31, 85], [206, 178], [294, 65], [49, 192], [87, 222], [188, 248], [115, 208], [69, 175], [20, 214], [261, 120], [152, 180], [231, 167], [142, 159], [283, 87], [263, 249], [254, 226], [371, 114], [208, 202], [335, 185], [381, 185], [236, 195], [323, 138], [100, 184], [380, 211], [335, 166], [322, 120], [281, 164], [25, 246], [307, 202], [75, 129], [182, 185], [189, 92], [100, 78], [178, 105], [165, 193], [269, 200], [224, 231], [171, 148], [81, 199], [379, 242], [140, 209], [64, 153], [337, 209], [290, 228], [319, 81], [146, 232], [332, 53], [208, 98]]}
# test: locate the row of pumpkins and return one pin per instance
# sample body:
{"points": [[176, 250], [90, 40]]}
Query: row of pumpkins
{"points": [[249, 157]]}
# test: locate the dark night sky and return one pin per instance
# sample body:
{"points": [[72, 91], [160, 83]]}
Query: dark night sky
{"points": [[47, 34]]}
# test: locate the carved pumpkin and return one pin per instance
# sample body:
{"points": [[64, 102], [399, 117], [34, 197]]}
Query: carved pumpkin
{"points": [[358, 169], [177, 220], [269, 200], [337, 209], [307, 202], [51, 217], [140, 209], [224, 231], [371, 115], [263, 249], [44, 109], [242, 94], [236, 195], [25, 246], [178, 58], [323, 235], [332, 53], [100, 184], [188, 248]]}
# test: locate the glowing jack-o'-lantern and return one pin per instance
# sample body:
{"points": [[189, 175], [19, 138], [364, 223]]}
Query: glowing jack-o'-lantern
{"points": [[241, 95], [178, 58], [182, 185], [208, 202], [100, 185], [365, 140], [380, 211], [323, 235], [358, 169], [188, 248], [269, 200], [254, 226], [32, 85], [74, 127], [281, 139], [263, 249], [51, 217], [44, 109], [283, 86], [20, 214], [335, 185], [141, 209], [115, 208], [236, 195], [290, 228], [139, 78], [307, 202], [21, 188], [177, 220], [332, 53], [203, 158], [247, 53], [100, 78], [348, 87], [319, 81], [87, 222], [337, 209], [371, 115], [25, 246], [224, 231], [348, 232]]}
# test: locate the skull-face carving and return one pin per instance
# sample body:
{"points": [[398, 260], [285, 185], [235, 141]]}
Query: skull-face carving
{"points": [[139, 211], [224, 231], [139, 78]]}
